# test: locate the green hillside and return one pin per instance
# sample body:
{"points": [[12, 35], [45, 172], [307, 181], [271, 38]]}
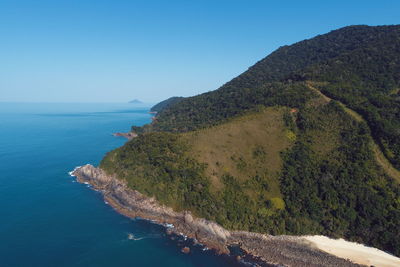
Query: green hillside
{"points": [[165, 104], [304, 142], [360, 66]]}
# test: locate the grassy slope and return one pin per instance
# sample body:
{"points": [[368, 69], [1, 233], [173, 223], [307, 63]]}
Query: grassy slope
{"points": [[243, 147]]}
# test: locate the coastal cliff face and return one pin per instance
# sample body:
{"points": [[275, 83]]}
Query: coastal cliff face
{"points": [[279, 250]]}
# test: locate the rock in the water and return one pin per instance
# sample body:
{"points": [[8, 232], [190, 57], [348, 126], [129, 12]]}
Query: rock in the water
{"points": [[185, 250]]}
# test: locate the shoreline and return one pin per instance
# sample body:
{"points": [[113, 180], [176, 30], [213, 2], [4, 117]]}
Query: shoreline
{"points": [[128, 135], [355, 252], [267, 249]]}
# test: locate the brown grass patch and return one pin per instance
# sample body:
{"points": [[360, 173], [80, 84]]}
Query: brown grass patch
{"points": [[243, 148]]}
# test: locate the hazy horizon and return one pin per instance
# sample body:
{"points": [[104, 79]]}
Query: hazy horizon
{"points": [[116, 51], [80, 102]]}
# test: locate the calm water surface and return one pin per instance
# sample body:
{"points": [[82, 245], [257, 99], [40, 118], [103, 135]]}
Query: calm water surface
{"points": [[47, 219]]}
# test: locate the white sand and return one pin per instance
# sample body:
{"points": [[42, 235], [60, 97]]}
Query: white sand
{"points": [[354, 252]]}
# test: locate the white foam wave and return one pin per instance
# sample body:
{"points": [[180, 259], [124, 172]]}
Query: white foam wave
{"points": [[71, 173], [169, 225], [184, 236], [132, 237]]}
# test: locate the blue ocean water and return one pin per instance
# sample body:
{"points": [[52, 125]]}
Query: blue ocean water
{"points": [[47, 219]]}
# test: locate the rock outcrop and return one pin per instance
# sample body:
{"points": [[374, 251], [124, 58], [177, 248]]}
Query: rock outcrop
{"points": [[279, 250], [128, 135]]}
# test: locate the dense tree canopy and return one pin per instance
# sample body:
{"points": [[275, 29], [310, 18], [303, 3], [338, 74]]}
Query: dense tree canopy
{"points": [[166, 103]]}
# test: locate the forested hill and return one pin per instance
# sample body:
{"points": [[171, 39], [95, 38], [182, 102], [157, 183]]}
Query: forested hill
{"points": [[166, 103], [359, 65], [307, 141]]}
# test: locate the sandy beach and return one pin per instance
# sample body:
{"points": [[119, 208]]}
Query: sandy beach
{"points": [[354, 252]]}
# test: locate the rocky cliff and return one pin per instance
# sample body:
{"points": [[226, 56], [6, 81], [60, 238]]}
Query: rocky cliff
{"points": [[280, 250]]}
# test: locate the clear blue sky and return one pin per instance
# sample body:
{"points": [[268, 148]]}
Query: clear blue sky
{"points": [[115, 51]]}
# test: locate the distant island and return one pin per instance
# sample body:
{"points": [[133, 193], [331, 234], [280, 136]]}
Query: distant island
{"points": [[135, 101], [304, 143]]}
